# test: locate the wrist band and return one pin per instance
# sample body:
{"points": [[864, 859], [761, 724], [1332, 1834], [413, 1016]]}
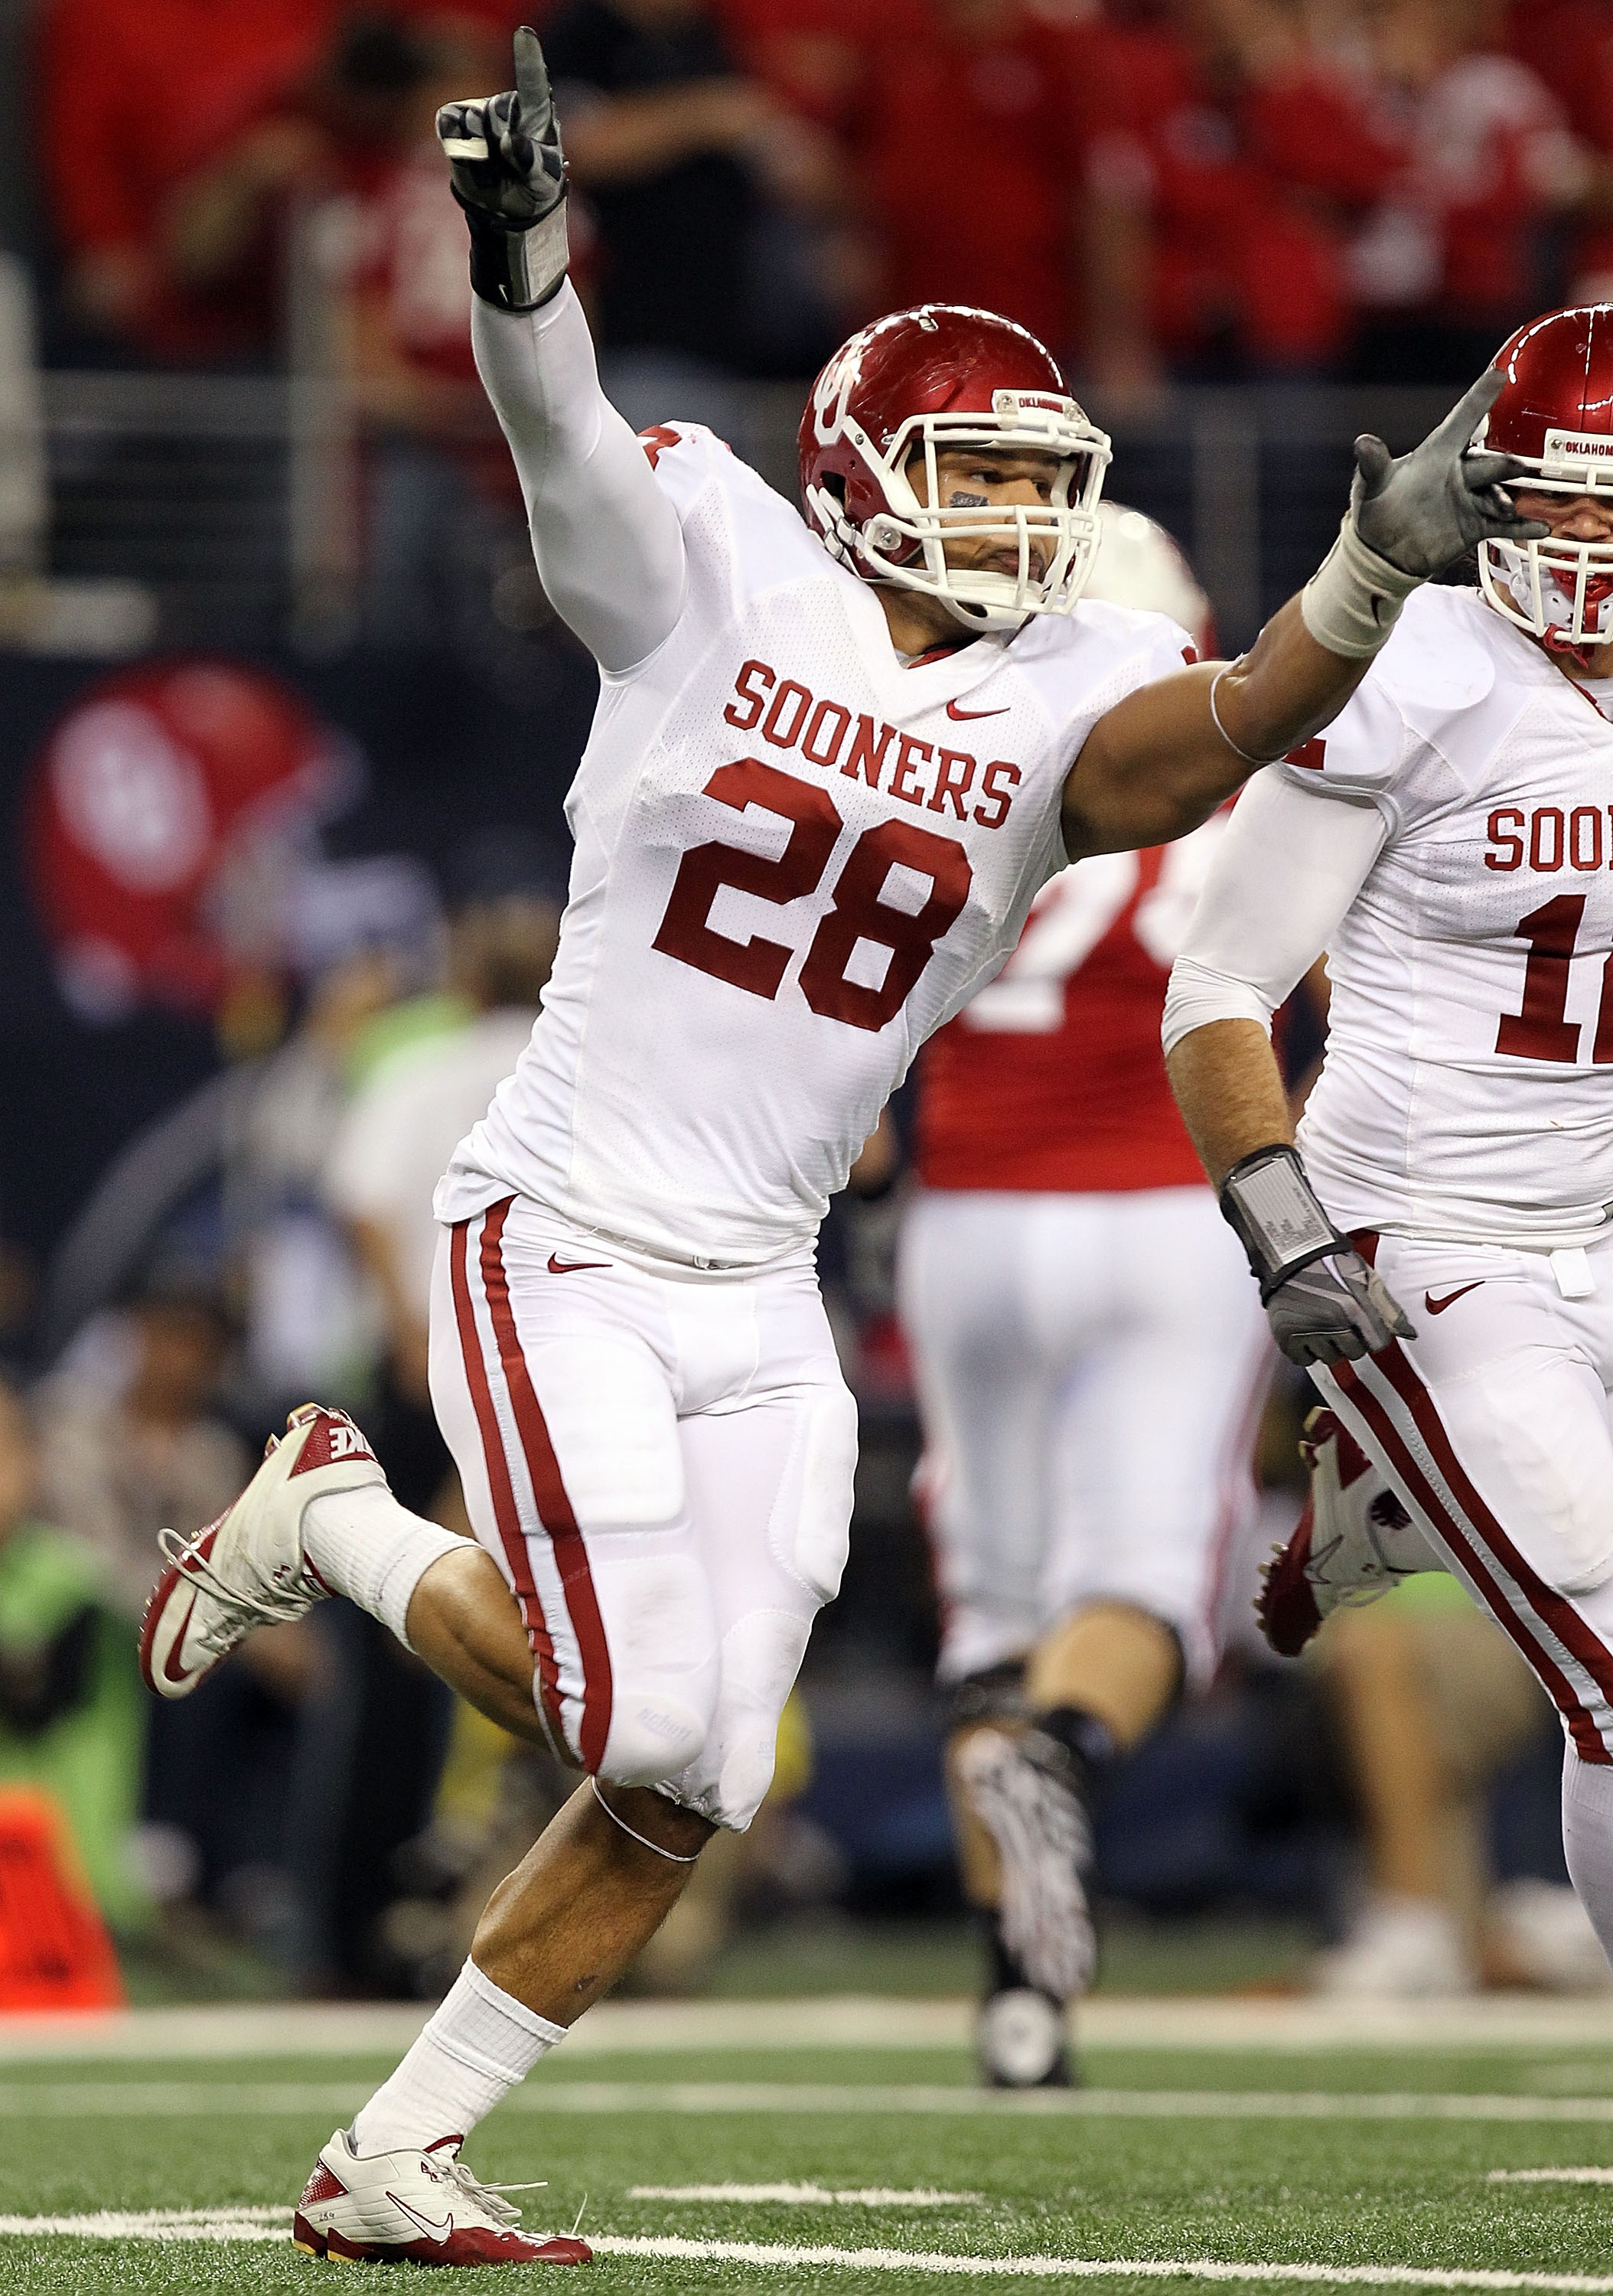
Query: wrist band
{"points": [[1221, 729], [517, 269], [1272, 1208], [1353, 600]]}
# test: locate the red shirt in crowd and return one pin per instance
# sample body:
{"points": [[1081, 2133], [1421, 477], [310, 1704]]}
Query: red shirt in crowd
{"points": [[970, 161], [136, 95], [1248, 195], [1569, 44]]}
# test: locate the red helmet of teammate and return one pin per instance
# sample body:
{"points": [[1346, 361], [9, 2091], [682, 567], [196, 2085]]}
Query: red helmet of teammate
{"points": [[154, 806], [1556, 415], [928, 381]]}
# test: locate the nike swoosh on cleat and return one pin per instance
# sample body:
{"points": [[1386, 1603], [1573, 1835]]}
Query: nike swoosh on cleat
{"points": [[573, 1266], [1437, 1307], [953, 710], [170, 1672], [438, 2229]]}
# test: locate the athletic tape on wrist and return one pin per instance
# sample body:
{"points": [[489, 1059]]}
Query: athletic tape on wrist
{"points": [[1273, 1210], [517, 270], [1353, 600], [642, 1840]]}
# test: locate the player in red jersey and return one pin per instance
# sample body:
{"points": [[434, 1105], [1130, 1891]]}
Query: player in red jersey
{"points": [[1089, 1364]]}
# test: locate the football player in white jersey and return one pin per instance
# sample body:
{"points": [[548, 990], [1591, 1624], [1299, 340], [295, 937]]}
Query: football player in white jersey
{"points": [[832, 762], [1449, 841], [1091, 1364]]}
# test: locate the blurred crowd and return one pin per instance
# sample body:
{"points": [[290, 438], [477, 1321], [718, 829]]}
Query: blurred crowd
{"points": [[1373, 189]]}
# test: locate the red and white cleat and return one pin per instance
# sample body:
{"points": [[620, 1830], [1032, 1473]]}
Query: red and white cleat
{"points": [[248, 1568], [416, 2208], [1355, 1540]]}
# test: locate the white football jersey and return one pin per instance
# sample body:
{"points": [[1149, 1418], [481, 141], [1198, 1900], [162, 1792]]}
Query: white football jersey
{"points": [[1468, 1090], [795, 859]]}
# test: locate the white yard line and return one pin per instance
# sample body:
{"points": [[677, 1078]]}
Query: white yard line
{"points": [[1070, 2267], [336, 2101], [866, 2196], [297, 2029], [1552, 2175], [221, 2225]]}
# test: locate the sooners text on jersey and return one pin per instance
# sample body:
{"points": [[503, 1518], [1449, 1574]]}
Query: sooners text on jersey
{"points": [[795, 859], [1468, 1086]]}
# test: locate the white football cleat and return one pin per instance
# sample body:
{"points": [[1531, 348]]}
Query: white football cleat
{"points": [[416, 2208], [1355, 1540], [248, 1568]]}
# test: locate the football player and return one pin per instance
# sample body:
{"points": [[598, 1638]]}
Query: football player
{"points": [[1439, 1254], [833, 761], [1091, 1364]]}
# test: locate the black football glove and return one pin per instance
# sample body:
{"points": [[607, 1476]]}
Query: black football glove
{"points": [[509, 176], [1322, 1300]]}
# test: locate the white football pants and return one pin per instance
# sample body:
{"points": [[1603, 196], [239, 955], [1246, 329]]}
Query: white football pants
{"points": [[661, 1466], [1091, 1372], [1493, 1425]]}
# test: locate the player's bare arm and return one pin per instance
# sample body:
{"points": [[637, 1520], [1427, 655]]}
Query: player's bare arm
{"points": [[1162, 759], [1288, 868]]}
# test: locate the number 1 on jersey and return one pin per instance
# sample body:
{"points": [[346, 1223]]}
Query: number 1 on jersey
{"points": [[1542, 1030], [863, 913]]}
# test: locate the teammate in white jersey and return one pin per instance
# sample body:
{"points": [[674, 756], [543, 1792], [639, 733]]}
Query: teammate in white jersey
{"points": [[832, 762], [1449, 841]]}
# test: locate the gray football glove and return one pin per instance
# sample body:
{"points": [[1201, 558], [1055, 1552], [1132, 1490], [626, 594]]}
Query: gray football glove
{"points": [[509, 176], [1322, 1300], [1423, 511], [1333, 1308]]}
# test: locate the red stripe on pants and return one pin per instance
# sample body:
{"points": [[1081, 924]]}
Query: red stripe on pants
{"points": [[554, 1506], [506, 1514], [1554, 1611]]}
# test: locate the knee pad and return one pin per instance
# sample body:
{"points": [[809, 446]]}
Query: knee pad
{"points": [[655, 1731], [664, 1672]]}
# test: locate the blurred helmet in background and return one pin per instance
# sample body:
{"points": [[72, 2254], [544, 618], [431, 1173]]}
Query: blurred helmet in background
{"points": [[926, 382], [1139, 564], [165, 815], [1555, 413]]}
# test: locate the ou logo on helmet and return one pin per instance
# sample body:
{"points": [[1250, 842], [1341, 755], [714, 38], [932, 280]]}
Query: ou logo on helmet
{"points": [[131, 798]]}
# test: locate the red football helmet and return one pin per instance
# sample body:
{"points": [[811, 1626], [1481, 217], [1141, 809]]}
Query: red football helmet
{"points": [[150, 802], [931, 380], [1556, 415]]}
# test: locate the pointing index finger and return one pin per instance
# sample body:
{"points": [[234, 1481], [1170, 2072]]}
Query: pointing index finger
{"points": [[531, 81], [1465, 416]]}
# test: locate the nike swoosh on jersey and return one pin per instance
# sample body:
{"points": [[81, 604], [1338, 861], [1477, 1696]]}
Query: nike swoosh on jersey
{"points": [[573, 1266], [1437, 1307], [953, 710]]}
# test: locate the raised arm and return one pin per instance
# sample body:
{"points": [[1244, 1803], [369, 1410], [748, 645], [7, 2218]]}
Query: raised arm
{"points": [[1161, 760], [606, 540], [1286, 870]]}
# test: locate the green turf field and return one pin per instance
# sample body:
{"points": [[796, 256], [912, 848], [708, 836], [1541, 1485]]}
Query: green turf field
{"points": [[1256, 2160]]}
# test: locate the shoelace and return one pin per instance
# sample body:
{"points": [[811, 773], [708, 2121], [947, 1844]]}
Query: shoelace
{"points": [[235, 1609], [487, 2197]]}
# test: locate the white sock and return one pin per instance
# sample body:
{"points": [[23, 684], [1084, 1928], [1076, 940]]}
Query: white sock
{"points": [[1587, 1838], [365, 1547], [478, 2044]]}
